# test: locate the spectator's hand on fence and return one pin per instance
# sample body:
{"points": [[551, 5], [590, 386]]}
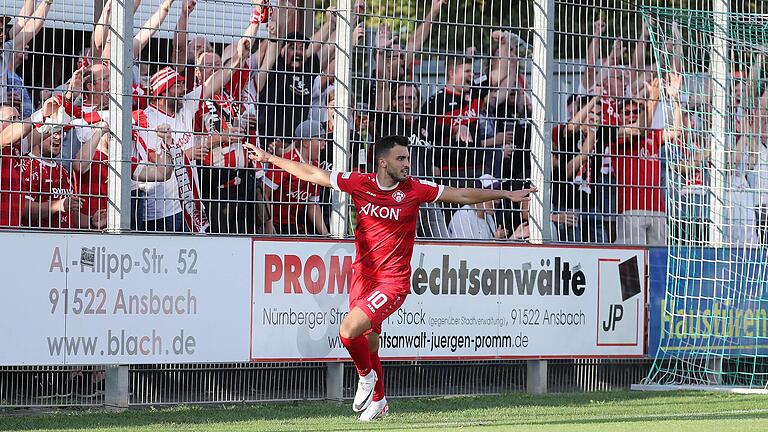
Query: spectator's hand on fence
{"points": [[499, 36], [99, 220], [598, 28], [522, 232], [249, 122], [463, 135], [69, 204], [501, 233], [568, 219], [200, 150]]}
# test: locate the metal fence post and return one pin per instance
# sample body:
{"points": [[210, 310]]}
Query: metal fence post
{"points": [[541, 139], [719, 89], [541, 149], [536, 376], [116, 387], [120, 107], [119, 177], [334, 381], [343, 89], [340, 202]]}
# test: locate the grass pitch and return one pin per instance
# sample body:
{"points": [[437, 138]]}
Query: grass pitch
{"points": [[614, 412]]}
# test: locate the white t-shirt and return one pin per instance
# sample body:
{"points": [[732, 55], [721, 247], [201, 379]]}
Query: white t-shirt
{"points": [[466, 224], [162, 198]]}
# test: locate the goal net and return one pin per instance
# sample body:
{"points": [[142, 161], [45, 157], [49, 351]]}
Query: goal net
{"points": [[713, 325]]}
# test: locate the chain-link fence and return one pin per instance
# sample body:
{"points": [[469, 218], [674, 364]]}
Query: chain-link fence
{"points": [[202, 82]]}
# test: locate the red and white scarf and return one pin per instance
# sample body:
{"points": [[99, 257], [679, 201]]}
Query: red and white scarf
{"points": [[189, 192]]}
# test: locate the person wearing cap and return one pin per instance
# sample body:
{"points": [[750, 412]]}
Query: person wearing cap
{"points": [[172, 106], [296, 203], [478, 221]]}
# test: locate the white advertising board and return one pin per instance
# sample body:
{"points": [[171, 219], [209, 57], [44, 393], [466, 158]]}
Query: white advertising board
{"points": [[466, 301], [102, 299]]}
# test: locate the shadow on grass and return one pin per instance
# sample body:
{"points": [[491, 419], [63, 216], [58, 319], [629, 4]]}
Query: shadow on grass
{"points": [[431, 411]]}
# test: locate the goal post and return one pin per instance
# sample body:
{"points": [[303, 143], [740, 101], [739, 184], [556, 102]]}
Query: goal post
{"points": [[713, 318]]}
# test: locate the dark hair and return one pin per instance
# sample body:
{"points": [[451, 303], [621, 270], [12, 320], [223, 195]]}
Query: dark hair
{"points": [[453, 62], [295, 37], [382, 147], [402, 85]]}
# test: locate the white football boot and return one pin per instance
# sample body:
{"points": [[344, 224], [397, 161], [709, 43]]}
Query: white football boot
{"points": [[375, 411], [364, 393]]}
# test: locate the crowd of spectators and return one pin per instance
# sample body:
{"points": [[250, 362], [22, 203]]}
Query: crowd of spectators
{"points": [[195, 107]]}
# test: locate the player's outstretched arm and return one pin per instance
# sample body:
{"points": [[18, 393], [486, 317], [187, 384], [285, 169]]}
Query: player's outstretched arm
{"points": [[301, 170], [474, 196]]}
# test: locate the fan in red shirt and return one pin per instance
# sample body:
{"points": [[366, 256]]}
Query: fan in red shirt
{"points": [[50, 193], [296, 203], [387, 205], [13, 132]]}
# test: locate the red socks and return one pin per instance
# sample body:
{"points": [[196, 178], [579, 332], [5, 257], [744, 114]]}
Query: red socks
{"points": [[378, 389], [358, 350]]}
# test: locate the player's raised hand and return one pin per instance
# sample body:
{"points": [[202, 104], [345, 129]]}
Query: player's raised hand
{"points": [[256, 154], [521, 195]]}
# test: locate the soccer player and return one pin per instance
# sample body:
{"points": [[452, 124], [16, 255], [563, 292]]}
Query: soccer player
{"points": [[387, 204]]}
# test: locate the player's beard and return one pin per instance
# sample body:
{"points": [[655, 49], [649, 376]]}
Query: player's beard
{"points": [[398, 175]]}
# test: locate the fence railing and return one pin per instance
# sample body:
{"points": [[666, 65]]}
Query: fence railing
{"points": [[491, 94], [134, 118]]}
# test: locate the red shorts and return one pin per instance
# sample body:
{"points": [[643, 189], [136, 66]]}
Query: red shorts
{"points": [[378, 300]]}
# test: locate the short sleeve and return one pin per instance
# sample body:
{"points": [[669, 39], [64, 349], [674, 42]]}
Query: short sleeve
{"points": [[427, 191], [346, 181]]}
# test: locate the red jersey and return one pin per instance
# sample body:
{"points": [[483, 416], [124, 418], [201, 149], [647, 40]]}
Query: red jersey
{"points": [[386, 223], [10, 187], [93, 184], [293, 194], [45, 180], [638, 173]]}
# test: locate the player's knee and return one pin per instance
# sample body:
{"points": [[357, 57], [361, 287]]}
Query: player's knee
{"points": [[347, 330]]}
